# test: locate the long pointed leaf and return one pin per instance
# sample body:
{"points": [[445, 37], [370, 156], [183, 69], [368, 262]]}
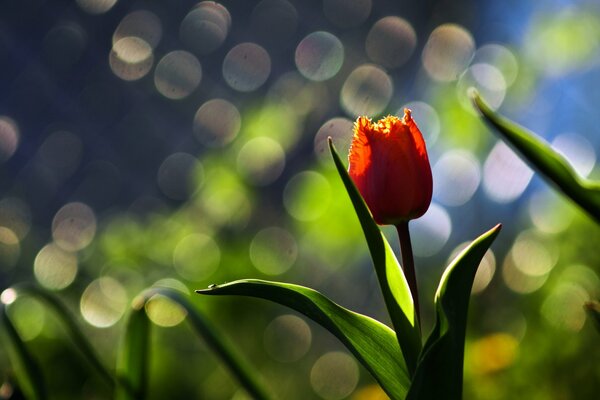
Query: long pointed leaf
{"points": [[373, 343], [27, 370], [393, 283], [545, 160], [439, 374], [71, 327], [134, 354], [215, 340]]}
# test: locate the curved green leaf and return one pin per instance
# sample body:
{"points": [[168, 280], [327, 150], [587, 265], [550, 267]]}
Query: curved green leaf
{"points": [[27, 370], [134, 354], [545, 160], [373, 343], [439, 374], [71, 327], [215, 340], [393, 283]]}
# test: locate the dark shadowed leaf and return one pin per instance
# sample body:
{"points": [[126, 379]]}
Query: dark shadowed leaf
{"points": [[545, 160], [439, 373], [240, 369], [394, 287], [593, 310], [26, 369], [134, 353], [373, 343]]}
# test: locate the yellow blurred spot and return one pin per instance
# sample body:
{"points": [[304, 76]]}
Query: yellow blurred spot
{"points": [[492, 353], [371, 392]]}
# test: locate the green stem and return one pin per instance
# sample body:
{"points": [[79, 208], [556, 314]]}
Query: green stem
{"points": [[408, 265]]}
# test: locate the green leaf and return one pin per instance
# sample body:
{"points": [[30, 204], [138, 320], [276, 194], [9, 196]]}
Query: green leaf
{"points": [[27, 371], [545, 160], [395, 289], [134, 354], [373, 343], [242, 371], [71, 327], [439, 374], [593, 310]]}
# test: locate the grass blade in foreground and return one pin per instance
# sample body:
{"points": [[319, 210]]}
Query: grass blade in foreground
{"points": [[72, 329], [26, 369], [134, 354], [545, 160], [439, 374], [373, 343], [242, 371], [393, 283]]}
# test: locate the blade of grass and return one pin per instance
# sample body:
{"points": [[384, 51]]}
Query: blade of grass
{"points": [[545, 160], [27, 370], [238, 367], [394, 286], [439, 374], [134, 354], [373, 343], [71, 327]]}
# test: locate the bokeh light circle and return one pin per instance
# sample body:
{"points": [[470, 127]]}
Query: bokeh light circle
{"points": [[319, 56], [367, 91], [16, 216], [577, 150], [489, 82], [287, 338], [505, 176], [55, 268], [10, 249], [131, 58], [431, 232], [164, 311], [334, 375], [273, 251], [177, 74], [103, 302], [196, 257], [179, 176], [205, 27], [457, 176], [216, 123], [96, 6], [9, 138], [341, 131], [391, 41], [307, 195], [246, 67], [501, 58], [447, 53], [261, 160], [74, 226], [142, 24]]}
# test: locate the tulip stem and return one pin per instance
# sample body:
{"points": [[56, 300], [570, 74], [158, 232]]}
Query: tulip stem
{"points": [[408, 265]]}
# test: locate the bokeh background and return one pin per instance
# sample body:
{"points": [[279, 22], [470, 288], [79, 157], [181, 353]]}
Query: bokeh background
{"points": [[184, 144]]}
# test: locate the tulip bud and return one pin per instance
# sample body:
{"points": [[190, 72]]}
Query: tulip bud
{"points": [[390, 167]]}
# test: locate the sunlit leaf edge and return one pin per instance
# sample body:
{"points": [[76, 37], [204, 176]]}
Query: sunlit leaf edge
{"points": [[393, 283], [545, 160], [371, 342]]}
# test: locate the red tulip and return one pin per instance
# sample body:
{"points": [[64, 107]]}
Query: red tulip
{"points": [[390, 167]]}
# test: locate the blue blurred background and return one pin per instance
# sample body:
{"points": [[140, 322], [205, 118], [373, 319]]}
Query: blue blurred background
{"points": [[184, 144]]}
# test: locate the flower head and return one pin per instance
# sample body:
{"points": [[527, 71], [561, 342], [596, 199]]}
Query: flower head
{"points": [[390, 167]]}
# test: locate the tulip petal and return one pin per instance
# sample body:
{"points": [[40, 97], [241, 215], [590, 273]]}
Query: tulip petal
{"points": [[393, 283], [545, 160], [439, 374]]}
